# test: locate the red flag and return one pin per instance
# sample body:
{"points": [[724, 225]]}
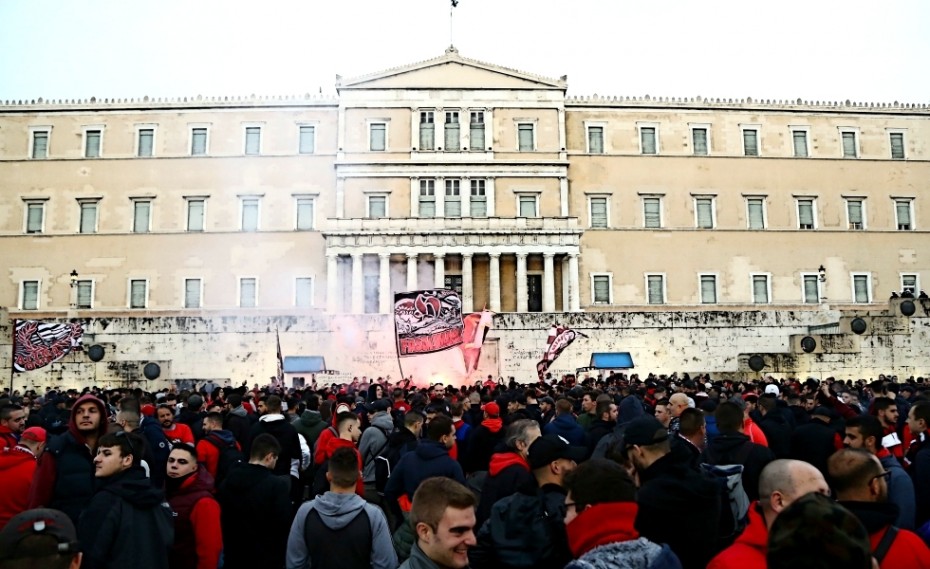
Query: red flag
{"points": [[476, 330], [564, 336]]}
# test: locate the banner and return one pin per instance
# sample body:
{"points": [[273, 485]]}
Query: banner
{"points": [[427, 321], [279, 373], [37, 344], [559, 338], [476, 330]]}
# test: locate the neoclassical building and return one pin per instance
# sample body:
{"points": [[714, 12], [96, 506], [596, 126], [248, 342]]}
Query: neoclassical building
{"points": [[457, 173]]}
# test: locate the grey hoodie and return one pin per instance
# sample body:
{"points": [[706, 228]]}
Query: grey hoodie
{"points": [[337, 511], [373, 440]]}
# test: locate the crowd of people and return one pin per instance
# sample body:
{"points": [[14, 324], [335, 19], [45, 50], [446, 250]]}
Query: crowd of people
{"points": [[607, 472]]}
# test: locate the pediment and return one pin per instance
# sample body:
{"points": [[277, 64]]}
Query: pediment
{"points": [[451, 71]]}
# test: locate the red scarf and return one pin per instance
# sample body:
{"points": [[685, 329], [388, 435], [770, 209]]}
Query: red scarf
{"points": [[599, 524], [493, 424]]}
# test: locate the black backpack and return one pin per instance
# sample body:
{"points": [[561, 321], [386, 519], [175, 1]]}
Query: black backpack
{"points": [[230, 457], [387, 459]]}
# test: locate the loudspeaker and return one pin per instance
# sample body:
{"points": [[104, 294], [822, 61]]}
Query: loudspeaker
{"points": [[151, 370], [756, 362], [96, 352]]}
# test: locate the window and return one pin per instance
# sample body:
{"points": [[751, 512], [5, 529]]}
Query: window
{"points": [[377, 136], [250, 213], [527, 205], [478, 201], [198, 141], [303, 292], [138, 293], [760, 289], [29, 299], [85, 294], [799, 138], [427, 198], [453, 198], [196, 214], [910, 283], [750, 141], [141, 216], [708, 289], [427, 131], [655, 289], [476, 130], [648, 140], [39, 144], [806, 217], [526, 137], [253, 140], [307, 141], [862, 287], [850, 143], [598, 212], [92, 142], [811, 288], [248, 292], [305, 207], [601, 289], [145, 145], [193, 289], [88, 223], [451, 128], [704, 212], [755, 212], [855, 213], [595, 139], [903, 214], [896, 140], [699, 140], [35, 216], [377, 206], [652, 212]]}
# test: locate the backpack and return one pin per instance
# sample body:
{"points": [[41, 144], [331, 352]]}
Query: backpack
{"points": [[370, 456], [734, 502], [230, 457], [385, 462]]}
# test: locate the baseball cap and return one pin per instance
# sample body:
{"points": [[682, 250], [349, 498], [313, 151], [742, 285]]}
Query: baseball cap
{"points": [[771, 389], [492, 409], [379, 405], [342, 408], [36, 434], [644, 431], [55, 530], [548, 400], [549, 448]]}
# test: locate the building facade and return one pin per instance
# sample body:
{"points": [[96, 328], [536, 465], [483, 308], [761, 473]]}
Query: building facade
{"points": [[461, 174]]}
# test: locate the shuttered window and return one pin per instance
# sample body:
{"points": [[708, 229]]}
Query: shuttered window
{"points": [[849, 145], [903, 213], [595, 139], [805, 214], [699, 141], [647, 139], [137, 293], [652, 212], [756, 212], [85, 294], [708, 289], [92, 143], [811, 289], [427, 198], [40, 144], [861, 288], [30, 295], [476, 130], [599, 212], [452, 131], [195, 215], [897, 145], [247, 292], [478, 199], [377, 136], [601, 289], [760, 289], [525, 137], [750, 142], [253, 140], [146, 142], [854, 212], [198, 141], [427, 131], [705, 212], [655, 289], [88, 217], [307, 139], [800, 143], [35, 217], [453, 202], [142, 216], [192, 293]]}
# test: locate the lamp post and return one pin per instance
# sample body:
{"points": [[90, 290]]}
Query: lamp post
{"points": [[823, 279], [74, 280]]}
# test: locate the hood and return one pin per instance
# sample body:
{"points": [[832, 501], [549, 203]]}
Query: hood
{"points": [[72, 422], [224, 435], [725, 443], [336, 443], [311, 418], [135, 488], [873, 515], [383, 421], [15, 457], [601, 524], [202, 481], [239, 411], [430, 450], [338, 510], [502, 460], [271, 417]]}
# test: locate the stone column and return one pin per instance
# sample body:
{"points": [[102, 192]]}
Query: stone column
{"points": [[384, 284], [548, 303], [332, 283], [574, 296], [411, 271], [495, 282], [468, 292], [439, 270], [522, 300], [358, 284]]}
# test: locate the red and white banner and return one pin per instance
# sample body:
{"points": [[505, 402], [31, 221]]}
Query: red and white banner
{"points": [[558, 339], [476, 330], [427, 321], [37, 344]]}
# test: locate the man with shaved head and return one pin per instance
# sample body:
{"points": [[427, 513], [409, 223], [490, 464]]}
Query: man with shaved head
{"points": [[677, 403], [781, 483]]}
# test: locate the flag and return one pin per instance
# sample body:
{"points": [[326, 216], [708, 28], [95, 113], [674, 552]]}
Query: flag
{"points": [[476, 327], [279, 375], [427, 321], [455, 3], [556, 344], [37, 344]]}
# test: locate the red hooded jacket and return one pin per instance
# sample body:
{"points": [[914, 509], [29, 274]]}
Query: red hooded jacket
{"points": [[17, 467], [748, 551]]}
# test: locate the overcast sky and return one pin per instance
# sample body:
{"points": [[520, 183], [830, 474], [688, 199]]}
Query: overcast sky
{"points": [[812, 49]]}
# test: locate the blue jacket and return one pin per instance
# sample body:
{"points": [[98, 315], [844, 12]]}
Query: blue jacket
{"points": [[568, 428], [430, 458], [900, 492]]}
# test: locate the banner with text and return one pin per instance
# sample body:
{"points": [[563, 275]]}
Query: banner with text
{"points": [[427, 321], [37, 344]]}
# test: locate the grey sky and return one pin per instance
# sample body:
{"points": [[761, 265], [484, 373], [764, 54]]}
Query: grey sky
{"points": [[810, 49]]}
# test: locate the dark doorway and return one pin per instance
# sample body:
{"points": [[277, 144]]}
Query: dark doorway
{"points": [[454, 282], [534, 293]]}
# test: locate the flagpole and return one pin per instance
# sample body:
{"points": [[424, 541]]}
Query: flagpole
{"points": [[13, 358]]}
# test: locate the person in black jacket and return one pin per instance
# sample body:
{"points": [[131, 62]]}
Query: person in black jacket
{"points": [[732, 446], [128, 522], [816, 441], [274, 423], [509, 469], [775, 427], [237, 420], [607, 412], [484, 439]]}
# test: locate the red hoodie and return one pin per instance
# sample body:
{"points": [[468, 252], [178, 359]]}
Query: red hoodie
{"points": [[748, 551], [17, 467], [502, 460], [600, 524], [337, 443]]}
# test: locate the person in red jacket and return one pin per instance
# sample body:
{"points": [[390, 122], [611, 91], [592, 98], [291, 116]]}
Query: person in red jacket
{"points": [[349, 429], [331, 432], [215, 436], [17, 467], [12, 423], [861, 485], [781, 482], [198, 538]]}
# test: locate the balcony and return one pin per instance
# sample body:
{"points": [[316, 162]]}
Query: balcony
{"points": [[452, 225]]}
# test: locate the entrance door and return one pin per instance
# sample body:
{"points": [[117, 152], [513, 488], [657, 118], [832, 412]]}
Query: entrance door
{"points": [[534, 293]]}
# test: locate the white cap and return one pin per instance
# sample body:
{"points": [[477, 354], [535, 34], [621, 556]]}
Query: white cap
{"points": [[771, 388]]}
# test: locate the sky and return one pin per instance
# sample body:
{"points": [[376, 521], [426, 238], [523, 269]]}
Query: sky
{"points": [[826, 50]]}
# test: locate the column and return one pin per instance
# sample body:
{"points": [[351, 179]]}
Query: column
{"points": [[563, 196], [439, 270], [468, 292], [522, 301], [412, 271], [358, 284], [548, 303], [574, 302], [384, 283], [340, 197], [565, 285], [332, 283], [495, 282]]}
